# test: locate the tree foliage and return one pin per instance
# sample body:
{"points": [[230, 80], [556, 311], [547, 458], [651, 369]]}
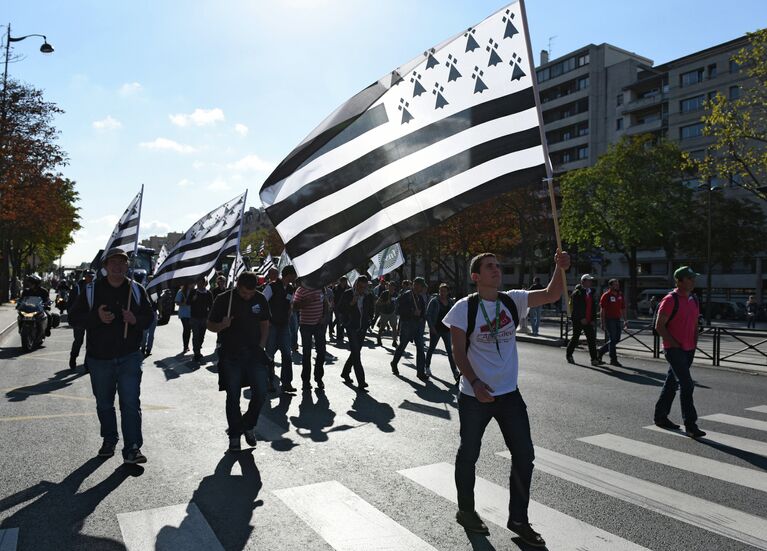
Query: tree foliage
{"points": [[629, 200], [739, 125]]}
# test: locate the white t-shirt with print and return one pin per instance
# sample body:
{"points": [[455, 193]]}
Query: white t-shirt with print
{"points": [[498, 370]]}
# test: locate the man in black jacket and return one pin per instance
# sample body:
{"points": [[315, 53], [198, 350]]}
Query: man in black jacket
{"points": [[356, 309], [411, 308], [115, 311], [78, 331], [279, 294], [584, 315], [200, 303]]}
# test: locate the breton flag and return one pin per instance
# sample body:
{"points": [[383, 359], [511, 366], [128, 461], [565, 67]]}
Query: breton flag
{"points": [[283, 261], [161, 256], [213, 236], [456, 126], [125, 234], [266, 265], [238, 266], [386, 261], [249, 249], [262, 249]]}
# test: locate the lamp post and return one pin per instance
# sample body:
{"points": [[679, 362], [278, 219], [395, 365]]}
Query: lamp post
{"points": [[46, 49], [709, 190]]}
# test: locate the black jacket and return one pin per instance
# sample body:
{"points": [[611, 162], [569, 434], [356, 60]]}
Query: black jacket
{"points": [[106, 341], [350, 313], [578, 299], [407, 305]]}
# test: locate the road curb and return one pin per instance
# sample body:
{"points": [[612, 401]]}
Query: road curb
{"points": [[7, 330]]}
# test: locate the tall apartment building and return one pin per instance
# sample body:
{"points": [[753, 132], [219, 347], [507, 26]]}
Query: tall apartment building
{"points": [[596, 94]]}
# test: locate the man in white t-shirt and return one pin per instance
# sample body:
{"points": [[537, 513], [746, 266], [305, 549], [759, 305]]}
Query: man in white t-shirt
{"points": [[489, 367]]}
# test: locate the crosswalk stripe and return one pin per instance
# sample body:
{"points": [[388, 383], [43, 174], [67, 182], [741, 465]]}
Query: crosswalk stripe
{"points": [[738, 442], [698, 512], [174, 527], [9, 539], [346, 521], [737, 421], [759, 409], [727, 472], [560, 531]]}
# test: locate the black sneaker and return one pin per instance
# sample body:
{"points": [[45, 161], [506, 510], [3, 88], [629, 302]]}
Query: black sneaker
{"points": [[73, 363], [134, 457], [107, 449], [320, 385], [394, 369], [694, 432], [616, 363], [598, 361], [234, 444], [526, 533], [288, 388], [250, 437], [470, 521], [667, 424], [570, 359]]}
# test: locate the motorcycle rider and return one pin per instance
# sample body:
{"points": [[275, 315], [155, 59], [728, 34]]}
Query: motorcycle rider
{"points": [[34, 288]]}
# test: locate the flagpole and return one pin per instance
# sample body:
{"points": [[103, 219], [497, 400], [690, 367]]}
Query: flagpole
{"points": [[547, 161], [135, 250], [239, 235]]}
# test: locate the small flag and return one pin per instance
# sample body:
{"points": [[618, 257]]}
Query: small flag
{"points": [[125, 234], [237, 267], [266, 265], [249, 249], [387, 260], [262, 249], [161, 256]]}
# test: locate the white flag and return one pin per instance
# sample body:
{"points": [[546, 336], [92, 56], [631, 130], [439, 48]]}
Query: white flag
{"points": [[387, 260]]}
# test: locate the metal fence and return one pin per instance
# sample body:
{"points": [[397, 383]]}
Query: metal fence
{"points": [[721, 346]]}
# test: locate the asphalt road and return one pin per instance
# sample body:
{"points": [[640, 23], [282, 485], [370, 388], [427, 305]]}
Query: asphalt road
{"points": [[344, 470]]}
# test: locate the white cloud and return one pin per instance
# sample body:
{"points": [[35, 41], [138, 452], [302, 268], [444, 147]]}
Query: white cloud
{"points": [[241, 129], [107, 123], [165, 144], [219, 185], [197, 165], [198, 117], [184, 183], [251, 163], [130, 89], [153, 226]]}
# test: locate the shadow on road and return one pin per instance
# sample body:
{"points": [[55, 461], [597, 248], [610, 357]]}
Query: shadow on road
{"points": [[54, 520], [366, 409], [61, 379], [315, 419], [226, 500]]}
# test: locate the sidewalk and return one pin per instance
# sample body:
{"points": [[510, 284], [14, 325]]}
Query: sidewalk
{"points": [[7, 319]]}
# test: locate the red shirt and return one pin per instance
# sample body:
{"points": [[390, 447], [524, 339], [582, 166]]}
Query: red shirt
{"points": [[612, 305], [684, 326]]}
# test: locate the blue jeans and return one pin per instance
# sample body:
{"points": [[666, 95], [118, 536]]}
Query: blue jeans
{"points": [[535, 319], [510, 412], [238, 368], [147, 340], [613, 328], [293, 324], [679, 362], [121, 375], [411, 331], [279, 339], [433, 341], [311, 333]]}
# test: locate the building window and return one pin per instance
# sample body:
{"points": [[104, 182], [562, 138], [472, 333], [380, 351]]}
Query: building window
{"points": [[583, 152], [619, 123], [619, 100], [734, 92], [692, 104], [712, 71], [566, 157], [583, 83], [734, 67], [583, 59], [691, 77], [583, 129], [691, 131]]}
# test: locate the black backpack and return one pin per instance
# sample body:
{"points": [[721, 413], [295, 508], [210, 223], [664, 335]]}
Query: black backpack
{"points": [[506, 300], [674, 310]]}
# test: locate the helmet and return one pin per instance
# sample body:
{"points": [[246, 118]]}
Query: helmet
{"points": [[34, 278]]}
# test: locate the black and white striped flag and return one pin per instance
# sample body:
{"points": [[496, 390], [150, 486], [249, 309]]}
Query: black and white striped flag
{"points": [[214, 235], [161, 256], [266, 265], [125, 234], [237, 267], [456, 126]]}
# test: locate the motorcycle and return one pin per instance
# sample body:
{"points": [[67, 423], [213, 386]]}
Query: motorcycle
{"points": [[61, 300], [32, 322]]}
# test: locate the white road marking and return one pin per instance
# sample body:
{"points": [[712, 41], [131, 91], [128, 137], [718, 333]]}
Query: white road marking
{"points": [[560, 531], [738, 442], [737, 421], [758, 409], [346, 521]]}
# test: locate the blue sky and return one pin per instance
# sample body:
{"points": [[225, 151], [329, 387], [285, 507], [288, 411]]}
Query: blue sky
{"points": [[198, 100]]}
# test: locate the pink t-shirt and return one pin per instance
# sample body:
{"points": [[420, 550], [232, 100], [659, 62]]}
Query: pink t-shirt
{"points": [[684, 326]]}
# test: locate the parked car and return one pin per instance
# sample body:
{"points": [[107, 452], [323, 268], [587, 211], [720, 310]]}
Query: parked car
{"points": [[725, 310]]}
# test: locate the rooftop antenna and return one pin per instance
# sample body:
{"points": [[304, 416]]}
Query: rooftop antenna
{"points": [[551, 39]]}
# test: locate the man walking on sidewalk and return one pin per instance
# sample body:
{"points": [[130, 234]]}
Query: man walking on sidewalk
{"points": [[677, 324], [115, 313], [483, 327], [584, 313], [613, 317]]}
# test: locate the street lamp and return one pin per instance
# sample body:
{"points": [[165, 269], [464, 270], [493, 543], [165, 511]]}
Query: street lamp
{"points": [[710, 188], [46, 49]]}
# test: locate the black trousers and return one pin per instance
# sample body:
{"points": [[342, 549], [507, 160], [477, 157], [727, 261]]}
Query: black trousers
{"points": [[591, 338]]}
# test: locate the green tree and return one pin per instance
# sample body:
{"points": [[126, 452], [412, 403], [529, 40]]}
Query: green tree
{"points": [[629, 200], [739, 125]]}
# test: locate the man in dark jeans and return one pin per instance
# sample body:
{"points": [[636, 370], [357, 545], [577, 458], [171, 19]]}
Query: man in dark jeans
{"points": [[356, 310], [338, 291], [279, 293], [241, 317], [677, 324], [200, 302], [613, 317], [411, 308], [78, 330], [311, 305], [115, 315], [485, 351], [584, 314]]}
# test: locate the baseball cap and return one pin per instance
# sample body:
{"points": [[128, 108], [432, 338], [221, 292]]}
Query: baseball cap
{"points": [[114, 251], [419, 280], [587, 276], [685, 271]]}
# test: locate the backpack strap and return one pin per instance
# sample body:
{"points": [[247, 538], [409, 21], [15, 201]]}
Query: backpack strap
{"points": [[675, 309], [511, 306], [505, 299]]}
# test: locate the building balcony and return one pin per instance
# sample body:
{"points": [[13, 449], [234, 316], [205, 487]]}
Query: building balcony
{"points": [[643, 128], [566, 121], [567, 144], [644, 103]]}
